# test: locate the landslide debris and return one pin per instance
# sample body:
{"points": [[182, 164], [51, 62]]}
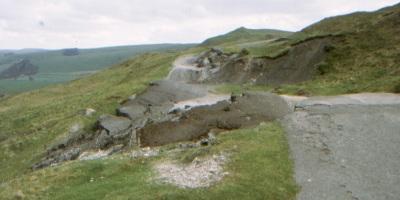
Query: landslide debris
{"points": [[238, 112], [114, 133], [297, 65], [156, 116]]}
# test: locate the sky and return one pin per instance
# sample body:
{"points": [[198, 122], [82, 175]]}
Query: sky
{"points": [[56, 24]]}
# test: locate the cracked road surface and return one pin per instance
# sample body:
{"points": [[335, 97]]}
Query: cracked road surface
{"points": [[346, 147]]}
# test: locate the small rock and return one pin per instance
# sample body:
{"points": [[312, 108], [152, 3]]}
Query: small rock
{"points": [[211, 136], [204, 142], [102, 134], [75, 128], [90, 111], [133, 97], [227, 108], [153, 84], [233, 97], [243, 52]]}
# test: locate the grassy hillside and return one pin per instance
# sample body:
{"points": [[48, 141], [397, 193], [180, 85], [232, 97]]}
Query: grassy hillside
{"points": [[243, 36], [55, 68], [259, 168], [259, 42], [34, 121], [366, 61]]}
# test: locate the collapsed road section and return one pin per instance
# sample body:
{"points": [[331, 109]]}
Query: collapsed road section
{"points": [[179, 108]]}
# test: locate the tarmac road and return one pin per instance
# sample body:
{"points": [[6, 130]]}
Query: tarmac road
{"points": [[346, 147]]}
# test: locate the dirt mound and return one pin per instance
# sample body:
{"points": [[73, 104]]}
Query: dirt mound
{"points": [[297, 65]]}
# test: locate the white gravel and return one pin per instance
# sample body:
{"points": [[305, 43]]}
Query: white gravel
{"points": [[200, 173], [91, 155]]}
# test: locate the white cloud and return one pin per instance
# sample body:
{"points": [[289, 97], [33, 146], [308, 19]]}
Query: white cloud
{"points": [[95, 23]]}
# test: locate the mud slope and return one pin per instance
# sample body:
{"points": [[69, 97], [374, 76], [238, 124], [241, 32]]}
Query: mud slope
{"points": [[238, 112], [346, 147], [297, 65]]}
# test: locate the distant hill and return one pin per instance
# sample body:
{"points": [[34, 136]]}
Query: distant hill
{"points": [[244, 35], [21, 51], [55, 66]]}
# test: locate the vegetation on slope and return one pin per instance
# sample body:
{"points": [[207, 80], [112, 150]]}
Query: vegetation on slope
{"points": [[54, 67], [259, 168], [243, 35], [260, 164], [366, 61], [33, 121]]}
